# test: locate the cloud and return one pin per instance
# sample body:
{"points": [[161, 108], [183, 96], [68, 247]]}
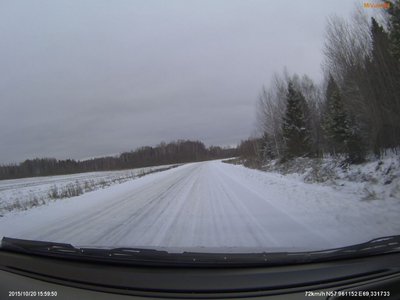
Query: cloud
{"points": [[86, 78]]}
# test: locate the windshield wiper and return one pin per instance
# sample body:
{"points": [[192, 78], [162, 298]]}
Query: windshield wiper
{"points": [[69, 251], [139, 256], [376, 246]]}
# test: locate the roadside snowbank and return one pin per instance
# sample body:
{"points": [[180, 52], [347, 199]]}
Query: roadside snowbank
{"points": [[375, 179], [26, 193], [210, 205]]}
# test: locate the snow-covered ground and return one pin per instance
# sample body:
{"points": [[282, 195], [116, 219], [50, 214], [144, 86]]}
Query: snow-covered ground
{"points": [[25, 193], [375, 179], [209, 206]]}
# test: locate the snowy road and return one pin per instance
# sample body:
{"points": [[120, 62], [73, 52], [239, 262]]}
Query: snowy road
{"points": [[208, 204]]}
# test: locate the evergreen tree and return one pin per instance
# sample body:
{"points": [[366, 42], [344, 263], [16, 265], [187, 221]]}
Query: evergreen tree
{"points": [[394, 27], [295, 133], [355, 145], [341, 132], [383, 73], [335, 124]]}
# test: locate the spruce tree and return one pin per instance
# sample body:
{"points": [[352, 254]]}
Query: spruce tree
{"points": [[295, 133], [355, 146], [384, 83], [335, 124], [394, 27], [341, 133]]}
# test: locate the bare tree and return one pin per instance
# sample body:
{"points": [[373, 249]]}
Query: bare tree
{"points": [[270, 111], [347, 45]]}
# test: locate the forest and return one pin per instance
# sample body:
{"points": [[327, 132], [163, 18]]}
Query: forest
{"points": [[181, 151], [353, 112]]}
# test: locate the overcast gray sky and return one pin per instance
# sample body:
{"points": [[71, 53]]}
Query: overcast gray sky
{"points": [[87, 78]]}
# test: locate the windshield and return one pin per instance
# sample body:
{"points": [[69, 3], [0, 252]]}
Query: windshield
{"points": [[200, 126]]}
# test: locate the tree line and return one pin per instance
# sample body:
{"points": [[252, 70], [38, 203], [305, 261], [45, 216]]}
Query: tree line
{"points": [[181, 151], [353, 112]]}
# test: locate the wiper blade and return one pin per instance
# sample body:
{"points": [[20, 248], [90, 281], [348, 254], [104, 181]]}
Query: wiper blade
{"points": [[380, 245], [67, 250], [29, 246], [135, 256], [139, 256]]}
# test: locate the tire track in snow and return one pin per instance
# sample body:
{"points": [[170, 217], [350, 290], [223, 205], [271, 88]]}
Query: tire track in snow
{"points": [[71, 227], [152, 210], [204, 204], [295, 229]]}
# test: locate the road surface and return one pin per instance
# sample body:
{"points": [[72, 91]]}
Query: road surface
{"points": [[201, 205]]}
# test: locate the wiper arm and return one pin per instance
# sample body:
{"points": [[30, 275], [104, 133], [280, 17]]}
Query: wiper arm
{"points": [[139, 256]]}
